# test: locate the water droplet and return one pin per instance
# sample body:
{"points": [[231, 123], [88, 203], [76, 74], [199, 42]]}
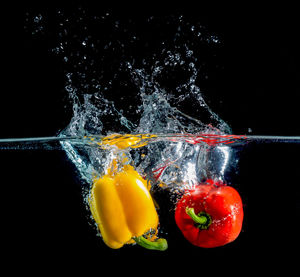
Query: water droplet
{"points": [[38, 18], [214, 39]]}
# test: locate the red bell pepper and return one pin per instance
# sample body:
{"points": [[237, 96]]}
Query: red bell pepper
{"points": [[210, 214]]}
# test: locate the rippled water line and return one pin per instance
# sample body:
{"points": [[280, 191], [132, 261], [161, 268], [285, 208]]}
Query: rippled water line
{"points": [[288, 139], [211, 139]]}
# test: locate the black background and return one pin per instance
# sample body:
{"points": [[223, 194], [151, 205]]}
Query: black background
{"points": [[255, 86]]}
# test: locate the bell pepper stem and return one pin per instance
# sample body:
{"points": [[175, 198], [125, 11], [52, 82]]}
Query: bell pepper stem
{"points": [[160, 244], [197, 219]]}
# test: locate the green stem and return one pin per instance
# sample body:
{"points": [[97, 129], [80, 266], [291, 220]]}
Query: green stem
{"points": [[198, 219], [202, 220], [160, 244]]}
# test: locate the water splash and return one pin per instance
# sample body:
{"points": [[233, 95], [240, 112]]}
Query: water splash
{"points": [[156, 92], [183, 162]]}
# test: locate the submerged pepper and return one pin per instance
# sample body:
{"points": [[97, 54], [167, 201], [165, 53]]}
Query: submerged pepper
{"points": [[124, 211], [210, 214]]}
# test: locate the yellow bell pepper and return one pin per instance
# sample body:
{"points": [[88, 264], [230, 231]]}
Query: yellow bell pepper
{"points": [[123, 209]]}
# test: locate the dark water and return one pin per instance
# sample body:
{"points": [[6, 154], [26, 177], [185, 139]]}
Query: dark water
{"points": [[248, 74]]}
